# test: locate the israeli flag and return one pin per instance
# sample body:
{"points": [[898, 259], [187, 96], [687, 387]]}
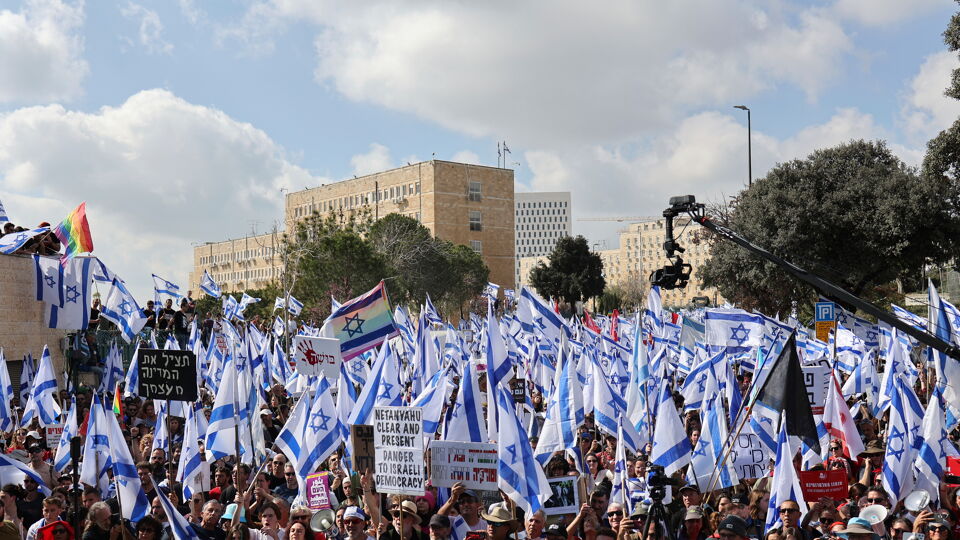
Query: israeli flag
{"points": [[935, 447], [431, 401], [708, 454], [383, 388], [289, 439], [75, 313], [294, 306], [96, 450], [221, 437], [944, 323], [27, 372], [61, 461], [785, 485], [903, 442], [208, 285], [165, 288], [245, 300], [346, 399], [122, 309], [465, 416], [432, 314], [733, 328], [129, 489], [14, 472], [565, 411], [178, 524], [671, 447], [112, 371], [10, 243], [3, 214], [7, 420], [518, 474], [48, 276], [43, 396], [620, 492], [321, 436], [491, 290], [131, 384]]}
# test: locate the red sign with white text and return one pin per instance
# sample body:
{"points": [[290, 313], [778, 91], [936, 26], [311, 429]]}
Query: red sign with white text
{"points": [[830, 484]]}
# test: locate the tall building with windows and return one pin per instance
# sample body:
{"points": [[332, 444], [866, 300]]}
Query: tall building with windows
{"points": [[462, 203], [542, 218]]}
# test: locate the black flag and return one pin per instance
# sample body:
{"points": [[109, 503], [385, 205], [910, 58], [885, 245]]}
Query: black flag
{"points": [[784, 390]]}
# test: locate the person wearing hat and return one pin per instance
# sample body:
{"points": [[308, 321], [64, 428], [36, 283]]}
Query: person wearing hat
{"points": [[468, 505], [872, 462], [440, 528], [694, 526], [858, 529], [690, 497], [555, 531], [732, 528], [500, 524], [404, 518], [935, 525], [355, 524]]}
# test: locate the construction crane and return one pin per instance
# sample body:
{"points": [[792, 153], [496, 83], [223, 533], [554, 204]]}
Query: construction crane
{"points": [[622, 218]]}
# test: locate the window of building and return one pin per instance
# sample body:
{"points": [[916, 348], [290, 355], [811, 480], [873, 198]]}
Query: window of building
{"points": [[476, 246], [475, 193], [476, 221]]}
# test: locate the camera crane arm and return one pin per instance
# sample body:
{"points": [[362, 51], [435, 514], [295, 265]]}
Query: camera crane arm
{"points": [[686, 204]]}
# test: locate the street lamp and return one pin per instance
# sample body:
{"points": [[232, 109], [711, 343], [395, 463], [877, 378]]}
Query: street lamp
{"points": [[749, 146]]}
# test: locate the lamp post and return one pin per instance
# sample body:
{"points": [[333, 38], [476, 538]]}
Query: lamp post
{"points": [[749, 146]]}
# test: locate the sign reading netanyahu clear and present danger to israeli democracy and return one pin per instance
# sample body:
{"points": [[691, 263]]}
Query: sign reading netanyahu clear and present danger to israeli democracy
{"points": [[398, 440]]}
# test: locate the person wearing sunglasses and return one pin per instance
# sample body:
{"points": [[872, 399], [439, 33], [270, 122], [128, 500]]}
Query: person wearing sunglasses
{"points": [[56, 530], [615, 516], [149, 528], [935, 525], [500, 524]]}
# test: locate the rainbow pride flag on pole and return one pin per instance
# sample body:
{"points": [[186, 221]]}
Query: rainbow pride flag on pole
{"points": [[362, 323], [117, 404], [74, 232]]}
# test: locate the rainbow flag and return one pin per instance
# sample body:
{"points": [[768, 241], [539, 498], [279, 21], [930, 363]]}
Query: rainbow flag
{"points": [[117, 404], [362, 323], [74, 232]]}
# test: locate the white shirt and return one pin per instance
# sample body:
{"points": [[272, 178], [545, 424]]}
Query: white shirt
{"points": [[459, 527]]}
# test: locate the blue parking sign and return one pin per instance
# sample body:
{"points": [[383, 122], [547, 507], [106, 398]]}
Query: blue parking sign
{"points": [[825, 311]]}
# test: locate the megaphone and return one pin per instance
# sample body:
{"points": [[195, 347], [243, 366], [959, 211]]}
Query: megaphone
{"points": [[917, 500], [875, 513], [323, 521]]}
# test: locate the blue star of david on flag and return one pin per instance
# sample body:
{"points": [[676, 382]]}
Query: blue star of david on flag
{"points": [[50, 280], [319, 421], [740, 334], [701, 448], [387, 389], [72, 294], [126, 308], [895, 435], [513, 453], [358, 329]]}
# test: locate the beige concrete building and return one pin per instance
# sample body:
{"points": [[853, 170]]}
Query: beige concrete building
{"points": [[22, 327], [466, 204], [641, 252], [250, 262], [525, 265]]}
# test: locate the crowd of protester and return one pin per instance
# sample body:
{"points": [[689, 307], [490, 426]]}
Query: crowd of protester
{"points": [[46, 243]]}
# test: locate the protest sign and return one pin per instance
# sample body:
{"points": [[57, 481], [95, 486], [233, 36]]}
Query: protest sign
{"points": [[316, 355], [363, 454], [564, 498], [816, 378], [167, 374], [474, 464], [518, 388], [53, 435], [831, 484], [748, 455], [398, 445], [318, 491]]}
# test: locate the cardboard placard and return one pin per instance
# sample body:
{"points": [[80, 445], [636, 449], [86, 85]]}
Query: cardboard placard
{"points": [[364, 456], [474, 464], [565, 497], [831, 484], [318, 491], [398, 445], [53, 435], [748, 455], [316, 355], [816, 379], [167, 374]]}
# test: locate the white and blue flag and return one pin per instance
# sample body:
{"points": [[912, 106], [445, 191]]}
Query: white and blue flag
{"points": [[75, 313], [671, 447], [519, 474], [48, 276], [7, 419], [42, 403], [785, 485], [465, 417], [209, 286], [122, 309], [61, 460], [903, 442], [935, 447], [10, 243]]}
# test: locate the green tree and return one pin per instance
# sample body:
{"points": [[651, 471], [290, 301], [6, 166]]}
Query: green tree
{"points": [[854, 214], [574, 273], [416, 259], [465, 277]]}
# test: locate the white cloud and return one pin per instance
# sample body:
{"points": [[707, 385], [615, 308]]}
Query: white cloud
{"points": [[157, 173], [42, 50], [191, 12], [926, 109], [377, 159], [559, 72], [886, 12], [150, 28], [466, 156]]}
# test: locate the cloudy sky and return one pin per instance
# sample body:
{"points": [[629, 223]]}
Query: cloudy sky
{"points": [[182, 121]]}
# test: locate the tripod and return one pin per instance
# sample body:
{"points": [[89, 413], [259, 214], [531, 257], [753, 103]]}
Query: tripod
{"points": [[657, 514]]}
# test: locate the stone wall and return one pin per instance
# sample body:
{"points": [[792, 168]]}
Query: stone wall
{"points": [[22, 329]]}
